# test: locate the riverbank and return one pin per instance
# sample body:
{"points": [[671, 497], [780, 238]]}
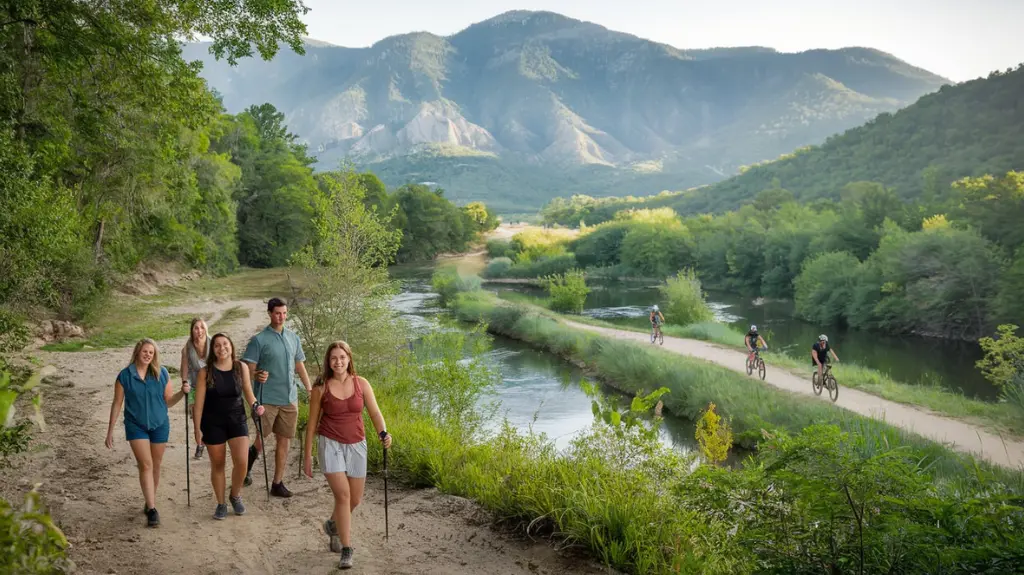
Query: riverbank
{"points": [[91, 492], [751, 404], [1001, 419]]}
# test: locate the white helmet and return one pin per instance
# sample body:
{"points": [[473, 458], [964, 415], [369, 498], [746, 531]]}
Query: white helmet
{"points": [[654, 307], [823, 338], [753, 329]]}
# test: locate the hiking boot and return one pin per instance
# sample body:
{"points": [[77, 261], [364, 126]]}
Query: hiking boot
{"points": [[346, 558], [236, 504], [248, 480], [279, 490], [199, 451], [221, 512], [331, 529], [152, 517]]}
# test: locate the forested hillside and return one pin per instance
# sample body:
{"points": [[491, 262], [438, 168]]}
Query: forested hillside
{"points": [[970, 129], [113, 152]]}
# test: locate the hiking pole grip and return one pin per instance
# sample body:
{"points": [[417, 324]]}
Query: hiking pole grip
{"points": [[188, 464], [385, 493]]}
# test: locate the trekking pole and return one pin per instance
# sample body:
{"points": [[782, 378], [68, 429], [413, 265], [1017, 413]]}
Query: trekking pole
{"points": [[263, 442], [385, 493], [188, 465]]}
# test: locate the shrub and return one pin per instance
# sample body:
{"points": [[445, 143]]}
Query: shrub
{"points": [[447, 282], [499, 249], [568, 291], [713, 435], [548, 265], [498, 267], [685, 303]]}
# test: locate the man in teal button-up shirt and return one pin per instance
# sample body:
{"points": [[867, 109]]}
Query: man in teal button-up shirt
{"points": [[274, 356]]}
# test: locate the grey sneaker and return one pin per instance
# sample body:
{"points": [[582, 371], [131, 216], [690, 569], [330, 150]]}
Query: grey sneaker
{"points": [[346, 558], [331, 529], [236, 504], [221, 512]]}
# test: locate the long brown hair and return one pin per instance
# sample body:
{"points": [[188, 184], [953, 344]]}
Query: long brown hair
{"points": [[191, 338], [211, 360], [328, 371], [154, 366]]}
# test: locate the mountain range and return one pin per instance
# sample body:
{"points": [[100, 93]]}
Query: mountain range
{"points": [[526, 106]]}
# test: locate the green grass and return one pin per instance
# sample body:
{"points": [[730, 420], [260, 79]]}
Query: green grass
{"points": [[230, 315], [1002, 418], [750, 405], [124, 326]]}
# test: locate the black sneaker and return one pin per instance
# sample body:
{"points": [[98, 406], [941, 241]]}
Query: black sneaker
{"points": [[279, 490], [221, 512], [152, 517], [236, 504], [346, 558], [331, 529]]}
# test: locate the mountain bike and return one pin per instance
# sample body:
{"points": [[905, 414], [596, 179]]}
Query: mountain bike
{"points": [[756, 364], [657, 335], [830, 382]]}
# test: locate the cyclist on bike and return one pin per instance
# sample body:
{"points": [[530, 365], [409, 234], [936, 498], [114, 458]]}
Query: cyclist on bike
{"points": [[656, 319], [753, 340], [819, 353]]}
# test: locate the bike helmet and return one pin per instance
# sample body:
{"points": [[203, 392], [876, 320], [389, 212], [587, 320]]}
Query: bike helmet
{"points": [[753, 329], [654, 308], [823, 338]]}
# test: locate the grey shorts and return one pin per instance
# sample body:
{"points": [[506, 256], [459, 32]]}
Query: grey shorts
{"points": [[347, 458]]}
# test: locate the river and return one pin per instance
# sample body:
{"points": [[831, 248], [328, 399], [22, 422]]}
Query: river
{"points": [[909, 359], [538, 390]]}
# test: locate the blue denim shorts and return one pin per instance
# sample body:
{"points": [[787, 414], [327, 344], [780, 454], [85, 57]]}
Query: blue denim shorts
{"points": [[158, 435]]}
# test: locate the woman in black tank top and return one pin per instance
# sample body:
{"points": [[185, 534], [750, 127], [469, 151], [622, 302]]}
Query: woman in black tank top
{"points": [[220, 418]]}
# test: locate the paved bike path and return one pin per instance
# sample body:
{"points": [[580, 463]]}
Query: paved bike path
{"points": [[961, 436]]}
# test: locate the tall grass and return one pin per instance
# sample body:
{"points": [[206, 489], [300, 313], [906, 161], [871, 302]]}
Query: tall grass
{"points": [[750, 405], [784, 512]]}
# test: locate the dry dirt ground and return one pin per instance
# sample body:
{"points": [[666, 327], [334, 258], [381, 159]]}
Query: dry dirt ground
{"points": [[94, 496]]}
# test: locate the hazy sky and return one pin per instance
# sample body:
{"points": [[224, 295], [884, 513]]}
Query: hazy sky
{"points": [[958, 39]]}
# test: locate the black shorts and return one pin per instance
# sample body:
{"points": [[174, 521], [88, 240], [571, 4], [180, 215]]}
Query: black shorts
{"points": [[219, 432]]}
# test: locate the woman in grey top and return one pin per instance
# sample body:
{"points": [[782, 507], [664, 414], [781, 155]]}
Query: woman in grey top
{"points": [[193, 359]]}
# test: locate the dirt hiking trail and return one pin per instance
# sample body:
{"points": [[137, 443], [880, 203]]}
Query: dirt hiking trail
{"points": [[93, 494], [959, 435]]}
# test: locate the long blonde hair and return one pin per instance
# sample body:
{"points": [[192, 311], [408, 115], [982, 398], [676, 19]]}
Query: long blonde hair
{"points": [[328, 372], [154, 366]]}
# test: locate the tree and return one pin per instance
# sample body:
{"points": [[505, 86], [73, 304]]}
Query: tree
{"points": [[824, 287]]}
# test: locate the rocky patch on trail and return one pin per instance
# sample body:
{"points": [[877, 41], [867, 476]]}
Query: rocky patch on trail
{"points": [[58, 330]]}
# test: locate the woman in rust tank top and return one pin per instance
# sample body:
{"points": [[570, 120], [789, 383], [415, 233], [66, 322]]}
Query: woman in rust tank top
{"points": [[336, 419]]}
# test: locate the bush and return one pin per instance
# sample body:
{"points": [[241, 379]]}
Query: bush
{"points": [[31, 543], [447, 283], [543, 266], [685, 303], [568, 291], [499, 249], [713, 435], [497, 267]]}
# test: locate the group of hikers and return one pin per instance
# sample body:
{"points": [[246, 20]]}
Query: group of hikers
{"points": [[264, 378]]}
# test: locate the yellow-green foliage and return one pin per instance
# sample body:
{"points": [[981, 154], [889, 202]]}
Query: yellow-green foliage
{"points": [[535, 243], [1004, 357], [713, 435]]}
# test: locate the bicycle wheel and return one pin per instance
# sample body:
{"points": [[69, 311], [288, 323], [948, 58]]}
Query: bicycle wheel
{"points": [[661, 338], [833, 388], [750, 367], [760, 368], [815, 384], [653, 335]]}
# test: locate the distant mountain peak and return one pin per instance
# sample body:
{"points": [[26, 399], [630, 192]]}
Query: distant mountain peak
{"points": [[543, 90]]}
